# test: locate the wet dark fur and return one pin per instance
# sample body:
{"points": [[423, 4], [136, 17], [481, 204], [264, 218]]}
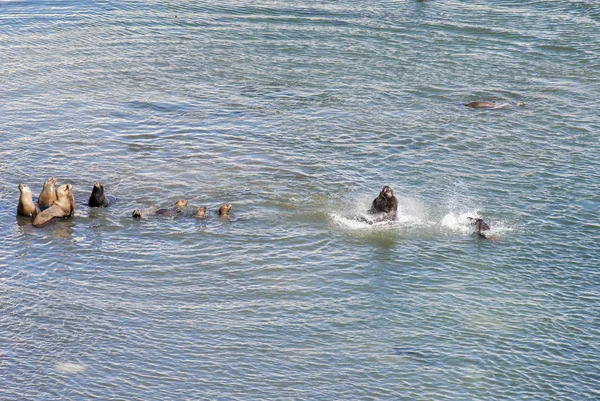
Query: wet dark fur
{"points": [[385, 203], [98, 198], [480, 226]]}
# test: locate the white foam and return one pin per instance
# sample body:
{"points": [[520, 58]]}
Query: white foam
{"points": [[69, 367]]}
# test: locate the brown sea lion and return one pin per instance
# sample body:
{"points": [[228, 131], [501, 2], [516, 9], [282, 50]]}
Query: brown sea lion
{"points": [[224, 210], [48, 194], [175, 210], [62, 207], [26, 207], [201, 212], [492, 105]]}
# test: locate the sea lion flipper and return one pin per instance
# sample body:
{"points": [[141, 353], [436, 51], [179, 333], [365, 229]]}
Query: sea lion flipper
{"points": [[49, 214]]}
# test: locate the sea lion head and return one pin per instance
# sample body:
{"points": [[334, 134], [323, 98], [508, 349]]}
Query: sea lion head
{"points": [[50, 182], [97, 187], [137, 214], [64, 191], [24, 189], [200, 212], [387, 192], [224, 209], [180, 203], [519, 104]]}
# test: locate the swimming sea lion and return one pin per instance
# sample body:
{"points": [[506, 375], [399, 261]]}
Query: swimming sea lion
{"points": [[480, 226], [491, 105], [26, 207], [224, 210], [48, 194], [201, 212], [98, 198], [175, 210], [62, 207], [385, 204]]}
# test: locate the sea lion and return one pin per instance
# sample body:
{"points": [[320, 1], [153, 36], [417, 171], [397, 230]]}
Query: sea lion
{"points": [[62, 207], [480, 226], [98, 198], [26, 207], [200, 213], [48, 194], [175, 210], [492, 105], [385, 204], [224, 210]]}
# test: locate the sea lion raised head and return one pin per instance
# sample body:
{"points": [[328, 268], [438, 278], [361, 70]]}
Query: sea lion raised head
{"points": [[224, 209], [63, 206], [385, 203], [201, 212], [519, 104], [26, 207], [137, 214], [181, 203], [98, 198], [48, 194]]}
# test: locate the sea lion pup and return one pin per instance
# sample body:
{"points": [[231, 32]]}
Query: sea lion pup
{"points": [[98, 198], [200, 213], [385, 204], [62, 207], [224, 210], [480, 226], [26, 207], [491, 105], [48, 194]]}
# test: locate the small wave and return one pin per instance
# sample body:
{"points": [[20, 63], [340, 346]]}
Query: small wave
{"points": [[69, 367]]}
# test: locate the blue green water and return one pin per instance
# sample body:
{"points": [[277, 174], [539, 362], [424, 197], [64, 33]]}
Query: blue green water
{"points": [[298, 113]]}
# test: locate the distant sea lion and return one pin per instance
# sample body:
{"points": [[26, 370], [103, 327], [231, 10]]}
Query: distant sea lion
{"points": [[48, 194], [62, 207], [480, 226], [26, 207], [224, 210], [385, 204], [175, 210], [491, 105], [201, 212], [98, 198]]}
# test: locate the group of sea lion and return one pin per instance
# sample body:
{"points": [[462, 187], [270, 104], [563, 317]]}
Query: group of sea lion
{"points": [[60, 202], [385, 206]]}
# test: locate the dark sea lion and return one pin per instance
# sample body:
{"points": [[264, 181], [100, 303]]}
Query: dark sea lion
{"points": [[48, 194], [26, 207], [175, 210], [492, 105], [62, 207], [385, 204], [201, 212], [98, 198], [224, 210], [480, 226]]}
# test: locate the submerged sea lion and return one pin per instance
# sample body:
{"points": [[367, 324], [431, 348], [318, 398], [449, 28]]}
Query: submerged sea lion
{"points": [[224, 210], [491, 105], [385, 204], [175, 210], [48, 194], [98, 198], [62, 207], [480, 226], [201, 212], [26, 207]]}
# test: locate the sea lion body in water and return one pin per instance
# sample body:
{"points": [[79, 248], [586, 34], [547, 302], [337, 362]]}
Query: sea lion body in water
{"points": [[26, 207], [491, 105], [62, 207], [224, 210], [175, 210], [385, 205], [48, 194], [98, 198], [481, 226], [200, 213]]}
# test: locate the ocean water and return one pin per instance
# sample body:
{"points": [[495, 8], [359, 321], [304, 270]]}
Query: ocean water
{"points": [[297, 113]]}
